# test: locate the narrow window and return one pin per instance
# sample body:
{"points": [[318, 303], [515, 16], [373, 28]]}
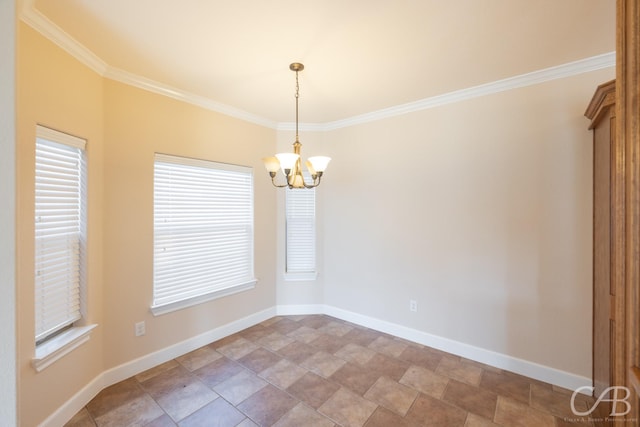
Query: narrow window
{"points": [[301, 234], [60, 200], [203, 231]]}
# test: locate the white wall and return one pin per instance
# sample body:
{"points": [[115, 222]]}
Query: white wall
{"points": [[478, 210], [8, 375]]}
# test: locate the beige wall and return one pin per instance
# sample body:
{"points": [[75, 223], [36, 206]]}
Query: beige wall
{"points": [[55, 90], [137, 125], [124, 126], [481, 212]]}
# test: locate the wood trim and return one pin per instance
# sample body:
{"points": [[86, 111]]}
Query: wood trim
{"points": [[635, 379], [603, 97], [628, 133]]}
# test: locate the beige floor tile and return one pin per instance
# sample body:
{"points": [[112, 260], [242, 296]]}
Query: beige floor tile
{"points": [[114, 396], [506, 385], [186, 399], [297, 351], [238, 348], [422, 357], [138, 411], [557, 401], [219, 370], [336, 328], [429, 411], [240, 386], [355, 378], [268, 405], [347, 408], [363, 336], [460, 371], [150, 373], [470, 398], [198, 358], [256, 332], [387, 366], [259, 359], [313, 389], [283, 374], [286, 325], [474, 420], [217, 413], [315, 321], [510, 412], [355, 353], [425, 381], [162, 421], [304, 334], [81, 419], [323, 364], [382, 417], [275, 341], [329, 343], [168, 381], [392, 395], [303, 415], [388, 346]]}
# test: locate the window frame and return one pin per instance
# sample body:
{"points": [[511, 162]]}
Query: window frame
{"points": [[297, 209], [216, 171], [53, 343]]}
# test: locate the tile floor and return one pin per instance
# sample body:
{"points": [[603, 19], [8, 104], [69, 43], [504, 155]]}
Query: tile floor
{"points": [[316, 370]]}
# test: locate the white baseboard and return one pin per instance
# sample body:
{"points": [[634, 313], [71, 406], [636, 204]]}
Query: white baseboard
{"points": [[502, 361], [141, 364]]}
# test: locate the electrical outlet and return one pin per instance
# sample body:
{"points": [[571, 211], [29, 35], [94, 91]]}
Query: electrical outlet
{"points": [[140, 329], [413, 305]]}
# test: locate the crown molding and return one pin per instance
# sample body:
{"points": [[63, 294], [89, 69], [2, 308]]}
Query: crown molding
{"points": [[36, 20], [181, 95], [569, 69], [31, 16]]}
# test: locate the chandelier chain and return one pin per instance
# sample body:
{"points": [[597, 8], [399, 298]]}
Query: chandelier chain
{"points": [[297, 96]]}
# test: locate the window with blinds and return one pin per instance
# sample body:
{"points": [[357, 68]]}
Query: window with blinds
{"points": [[203, 231], [59, 231], [301, 234]]}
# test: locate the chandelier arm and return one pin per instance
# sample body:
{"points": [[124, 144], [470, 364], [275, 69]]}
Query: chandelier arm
{"points": [[273, 181], [315, 183]]}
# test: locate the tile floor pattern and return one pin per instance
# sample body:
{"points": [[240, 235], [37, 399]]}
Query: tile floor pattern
{"points": [[298, 371]]}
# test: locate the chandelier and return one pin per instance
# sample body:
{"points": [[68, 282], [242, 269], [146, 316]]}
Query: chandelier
{"points": [[290, 163]]}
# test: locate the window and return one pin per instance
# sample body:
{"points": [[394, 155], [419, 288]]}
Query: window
{"points": [[203, 231], [59, 231], [301, 234]]}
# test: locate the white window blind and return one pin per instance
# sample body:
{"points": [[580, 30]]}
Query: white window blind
{"points": [[59, 230], [301, 234], [203, 231]]}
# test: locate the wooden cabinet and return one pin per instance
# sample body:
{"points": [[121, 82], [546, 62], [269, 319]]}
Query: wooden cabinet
{"points": [[606, 254]]}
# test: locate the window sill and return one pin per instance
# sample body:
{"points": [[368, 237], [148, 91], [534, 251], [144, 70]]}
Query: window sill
{"points": [[301, 276], [59, 346], [160, 309]]}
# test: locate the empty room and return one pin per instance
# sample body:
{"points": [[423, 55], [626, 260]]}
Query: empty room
{"points": [[316, 213]]}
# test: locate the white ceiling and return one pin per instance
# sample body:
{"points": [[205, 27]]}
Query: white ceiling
{"points": [[359, 55]]}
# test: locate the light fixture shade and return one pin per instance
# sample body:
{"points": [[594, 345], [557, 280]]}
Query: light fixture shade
{"points": [[319, 163], [272, 164], [287, 160]]}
